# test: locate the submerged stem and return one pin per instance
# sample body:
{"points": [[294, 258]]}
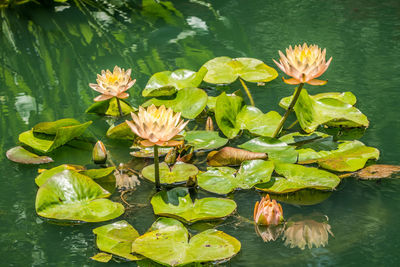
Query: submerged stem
{"points": [[156, 169], [290, 108], [246, 89], [119, 107]]}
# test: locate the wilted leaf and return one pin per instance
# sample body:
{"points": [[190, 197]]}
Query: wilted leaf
{"points": [[167, 242], [377, 171], [179, 173], [204, 140], [21, 155], [189, 101], [167, 83], [225, 70], [177, 203], [230, 156]]}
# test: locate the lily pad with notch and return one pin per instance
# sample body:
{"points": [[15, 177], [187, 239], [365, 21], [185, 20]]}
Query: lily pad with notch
{"points": [[167, 242], [178, 204], [177, 174]]}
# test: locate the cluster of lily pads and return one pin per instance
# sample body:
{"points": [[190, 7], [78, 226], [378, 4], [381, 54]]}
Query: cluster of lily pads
{"points": [[241, 147]]}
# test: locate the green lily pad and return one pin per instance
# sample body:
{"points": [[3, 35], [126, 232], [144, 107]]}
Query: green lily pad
{"points": [[295, 177], [225, 70], [69, 195], [226, 110], [110, 107], [211, 103], [177, 203], [205, 140], [256, 122], [120, 131], [21, 155], [329, 111], [167, 242], [304, 197], [148, 152], [45, 175], [117, 238], [167, 83], [64, 132], [104, 177], [102, 257], [189, 101], [346, 97], [349, 156], [277, 150], [179, 173], [222, 180]]}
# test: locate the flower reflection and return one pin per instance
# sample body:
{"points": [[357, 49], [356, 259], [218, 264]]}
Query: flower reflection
{"points": [[269, 233], [307, 233]]}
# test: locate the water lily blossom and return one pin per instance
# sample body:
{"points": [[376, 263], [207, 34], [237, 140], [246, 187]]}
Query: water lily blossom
{"points": [[304, 64], [268, 212], [157, 126], [113, 84]]}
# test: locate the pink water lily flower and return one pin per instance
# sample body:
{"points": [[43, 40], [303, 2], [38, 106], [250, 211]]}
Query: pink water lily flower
{"points": [[113, 84], [304, 64], [268, 212]]}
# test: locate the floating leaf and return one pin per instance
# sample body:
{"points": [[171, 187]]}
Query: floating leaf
{"points": [[167, 242], [167, 83], [69, 195], [189, 101], [346, 97], [102, 257], [277, 150], [204, 140], [148, 152], [225, 70], [377, 171], [256, 122], [311, 113], [296, 177], [64, 132], [21, 155], [116, 238], [226, 110], [222, 180], [120, 131], [98, 173], [179, 173], [110, 107], [305, 197], [46, 174], [350, 156], [178, 204], [230, 156]]}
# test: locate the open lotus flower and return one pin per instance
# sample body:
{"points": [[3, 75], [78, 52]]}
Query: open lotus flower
{"points": [[307, 233], [303, 64], [113, 84], [157, 126], [268, 212]]}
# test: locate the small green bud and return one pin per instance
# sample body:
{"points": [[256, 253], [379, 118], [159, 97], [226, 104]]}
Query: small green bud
{"points": [[99, 153]]}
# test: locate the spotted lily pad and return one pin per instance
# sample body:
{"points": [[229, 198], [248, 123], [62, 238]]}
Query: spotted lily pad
{"points": [[205, 140], [110, 107], [167, 83], [120, 131], [225, 70], [256, 122], [21, 155], [177, 203], [189, 101], [294, 177], [327, 111], [179, 173], [226, 110], [117, 238], [222, 180], [69, 195], [47, 136], [167, 242], [277, 150]]}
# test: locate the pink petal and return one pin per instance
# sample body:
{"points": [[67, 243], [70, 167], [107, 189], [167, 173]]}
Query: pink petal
{"points": [[102, 98]]}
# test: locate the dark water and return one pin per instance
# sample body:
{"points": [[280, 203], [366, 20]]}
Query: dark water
{"points": [[49, 55]]}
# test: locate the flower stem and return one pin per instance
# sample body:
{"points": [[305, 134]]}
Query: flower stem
{"points": [[119, 107], [156, 169], [289, 110], [246, 89]]}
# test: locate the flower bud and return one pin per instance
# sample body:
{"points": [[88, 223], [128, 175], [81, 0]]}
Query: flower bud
{"points": [[99, 153], [209, 124], [267, 212]]}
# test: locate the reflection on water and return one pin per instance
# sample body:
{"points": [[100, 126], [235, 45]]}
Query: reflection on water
{"points": [[49, 55]]}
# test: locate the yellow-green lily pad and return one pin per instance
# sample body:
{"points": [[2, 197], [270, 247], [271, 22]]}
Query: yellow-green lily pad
{"points": [[226, 110], [256, 122], [110, 107], [205, 140], [179, 173], [120, 131]]}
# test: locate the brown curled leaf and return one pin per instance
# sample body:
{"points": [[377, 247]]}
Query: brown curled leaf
{"points": [[230, 156]]}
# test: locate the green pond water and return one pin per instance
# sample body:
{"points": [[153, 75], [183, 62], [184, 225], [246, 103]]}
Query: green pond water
{"points": [[49, 55]]}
